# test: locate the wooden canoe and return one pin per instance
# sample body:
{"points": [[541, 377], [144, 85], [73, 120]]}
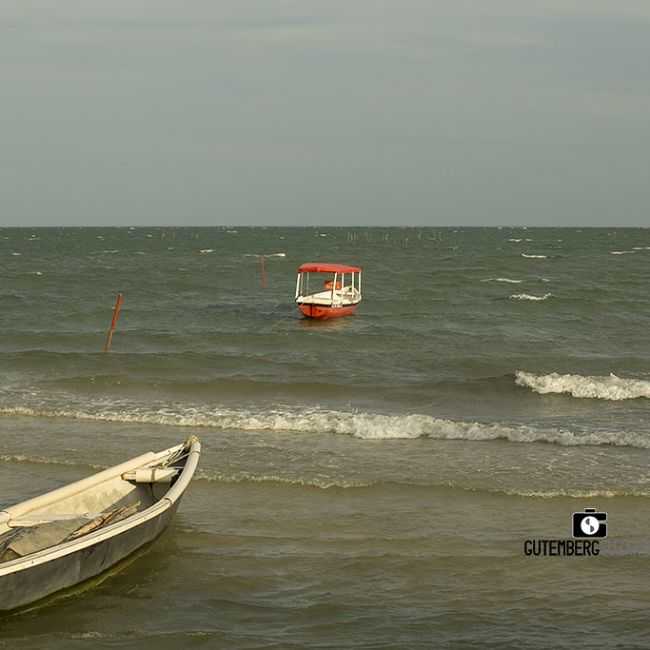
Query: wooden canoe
{"points": [[74, 533]]}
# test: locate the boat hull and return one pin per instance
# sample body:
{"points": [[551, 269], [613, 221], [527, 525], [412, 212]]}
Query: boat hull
{"points": [[43, 568], [320, 312], [38, 582]]}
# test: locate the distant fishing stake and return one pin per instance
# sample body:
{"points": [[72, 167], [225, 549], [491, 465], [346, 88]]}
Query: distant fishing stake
{"points": [[262, 259], [116, 315]]}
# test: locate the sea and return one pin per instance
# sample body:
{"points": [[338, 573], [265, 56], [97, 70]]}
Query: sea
{"points": [[368, 482]]}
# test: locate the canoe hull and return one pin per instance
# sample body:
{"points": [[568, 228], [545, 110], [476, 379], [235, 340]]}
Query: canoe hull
{"points": [[320, 312], [37, 582], [43, 568]]}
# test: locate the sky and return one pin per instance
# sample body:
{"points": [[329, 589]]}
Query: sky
{"points": [[315, 112]]}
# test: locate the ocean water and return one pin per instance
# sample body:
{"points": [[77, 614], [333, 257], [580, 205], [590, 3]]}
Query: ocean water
{"points": [[366, 482]]}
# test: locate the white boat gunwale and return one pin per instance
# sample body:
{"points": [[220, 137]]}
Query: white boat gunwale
{"points": [[156, 509]]}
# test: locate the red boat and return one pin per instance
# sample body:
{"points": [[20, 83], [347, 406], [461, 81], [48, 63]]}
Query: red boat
{"points": [[337, 294]]}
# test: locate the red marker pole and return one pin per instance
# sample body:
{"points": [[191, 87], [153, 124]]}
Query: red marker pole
{"points": [[116, 315]]}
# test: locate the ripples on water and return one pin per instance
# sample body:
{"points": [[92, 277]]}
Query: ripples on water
{"points": [[375, 475]]}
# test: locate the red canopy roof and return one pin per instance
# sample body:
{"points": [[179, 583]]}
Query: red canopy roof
{"points": [[324, 267]]}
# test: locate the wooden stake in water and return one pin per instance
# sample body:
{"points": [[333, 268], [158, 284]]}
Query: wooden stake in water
{"points": [[263, 271], [116, 315]]}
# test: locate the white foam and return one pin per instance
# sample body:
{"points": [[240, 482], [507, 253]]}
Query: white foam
{"points": [[509, 280], [574, 494], [365, 426], [205, 251], [42, 460], [16, 254], [527, 296], [621, 252], [534, 257], [316, 482], [608, 388], [276, 255], [512, 239]]}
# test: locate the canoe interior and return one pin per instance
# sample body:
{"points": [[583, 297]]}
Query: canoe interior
{"points": [[77, 509]]}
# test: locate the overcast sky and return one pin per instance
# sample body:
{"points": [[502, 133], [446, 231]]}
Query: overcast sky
{"points": [[341, 112]]}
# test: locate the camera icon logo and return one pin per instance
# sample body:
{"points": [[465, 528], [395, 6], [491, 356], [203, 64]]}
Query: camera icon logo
{"points": [[589, 524]]}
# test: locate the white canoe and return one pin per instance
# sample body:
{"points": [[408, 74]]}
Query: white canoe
{"points": [[64, 537]]}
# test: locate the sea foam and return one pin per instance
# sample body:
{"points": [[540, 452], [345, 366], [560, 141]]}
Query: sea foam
{"points": [[607, 388], [527, 296], [508, 280], [365, 426]]}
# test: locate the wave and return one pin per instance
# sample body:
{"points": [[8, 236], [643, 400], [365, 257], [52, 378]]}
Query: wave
{"points": [[621, 252], [365, 426], [508, 280], [527, 296], [328, 483], [42, 460], [312, 482], [536, 257], [607, 388]]}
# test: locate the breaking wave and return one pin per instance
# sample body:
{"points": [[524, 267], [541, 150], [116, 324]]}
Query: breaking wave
{"points": [[535, 257], [607, 388], [527, 296], [365, 426]]}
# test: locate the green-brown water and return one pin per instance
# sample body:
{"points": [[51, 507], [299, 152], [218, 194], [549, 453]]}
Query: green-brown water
{"points": [[367, 482]]}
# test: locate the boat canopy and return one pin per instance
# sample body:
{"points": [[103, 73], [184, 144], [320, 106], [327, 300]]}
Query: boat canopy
{"points": [[324, 267]]}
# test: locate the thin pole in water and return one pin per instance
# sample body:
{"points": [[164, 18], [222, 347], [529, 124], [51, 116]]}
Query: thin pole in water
{"points": [[116, 315], [263, 271]]}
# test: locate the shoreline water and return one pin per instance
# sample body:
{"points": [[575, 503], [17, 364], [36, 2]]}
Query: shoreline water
{"points": [[376, 476]]}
